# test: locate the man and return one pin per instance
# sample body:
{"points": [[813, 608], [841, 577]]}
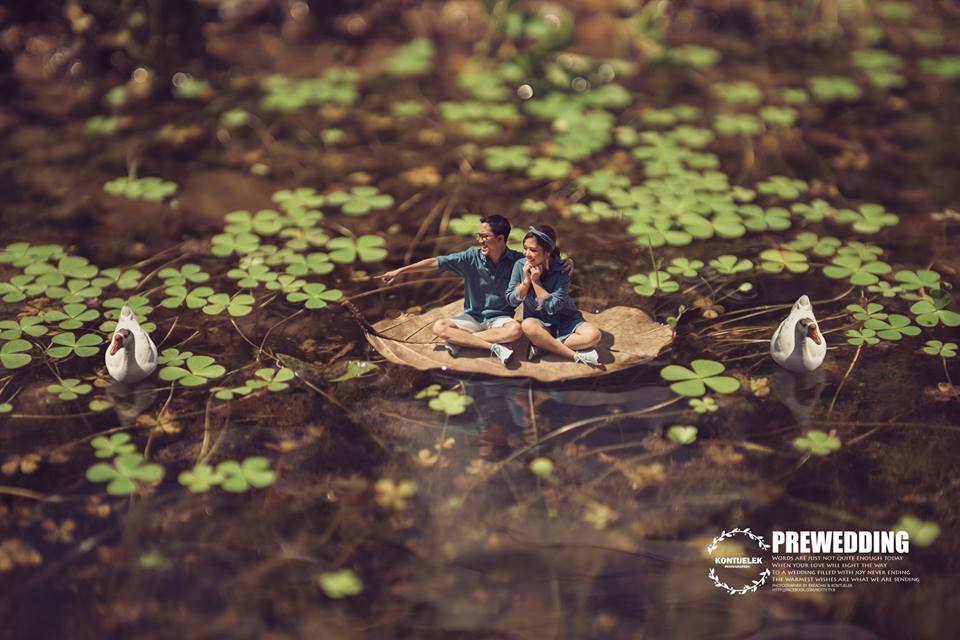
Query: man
{"points": [[487, 319]]}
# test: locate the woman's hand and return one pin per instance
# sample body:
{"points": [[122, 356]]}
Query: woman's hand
{"points": [[389, 276], [535, 274], [527, 267]]}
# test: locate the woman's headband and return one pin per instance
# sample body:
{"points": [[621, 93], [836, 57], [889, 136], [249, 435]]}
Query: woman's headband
{"points": [[546, 239]]}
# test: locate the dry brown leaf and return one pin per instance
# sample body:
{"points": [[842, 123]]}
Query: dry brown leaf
{"points": [[630, 337]]}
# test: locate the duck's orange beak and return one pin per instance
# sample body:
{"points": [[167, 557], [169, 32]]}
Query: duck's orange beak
{"points": [[813, 333], [117, 343]]}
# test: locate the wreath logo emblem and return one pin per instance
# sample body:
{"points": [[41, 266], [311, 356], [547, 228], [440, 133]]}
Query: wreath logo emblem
{"points": [[738, 562]]}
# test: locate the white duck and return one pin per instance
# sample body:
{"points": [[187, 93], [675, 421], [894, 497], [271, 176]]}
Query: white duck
{"points": [[797, 344], [131, 356]]}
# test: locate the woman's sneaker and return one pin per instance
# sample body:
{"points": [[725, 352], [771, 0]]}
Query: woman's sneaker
{"points": [[452, 349], [533, 353], [590, 357], [501, 352]]}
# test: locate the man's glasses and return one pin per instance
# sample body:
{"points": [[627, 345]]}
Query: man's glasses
{"points": [[485, 237]]}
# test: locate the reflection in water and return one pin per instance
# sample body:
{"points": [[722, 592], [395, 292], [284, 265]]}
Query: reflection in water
{"points": [[799, 392], [131, 401]]}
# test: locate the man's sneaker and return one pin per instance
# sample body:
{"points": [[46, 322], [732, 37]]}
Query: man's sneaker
{"points": [[452, 349], [501, 352], [587, 357], [533, 354]]}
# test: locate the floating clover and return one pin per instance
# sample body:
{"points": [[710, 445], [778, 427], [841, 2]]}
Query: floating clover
{"points": [[823, 247], [226, 244], [65, 344], [602, 180], [367, 248], [119, 278], [75, 267], [102, 125], [894, 327], [286, 283], [777, 260], [779, 116], [942, 349], [151, 189], [733, 124], [355, 369], [227, 394], [139, 305], [252, 276], [783, 187], [428, 392], [729, 265], [693, 55], [316, 262], [5, 407], [13, 354], [178, 296], [833, 88], [873, 311], [814, 211], [862, 337], [360, 201], [854, 269], [945, 67], [412, 59], [200, 479], [741, 92], [703, 405], [407, 109], [124, 473], [186, 87], [266, 222], [596, 211], [69, 389], [73, 316], [235, 118], [772, 219], [682, 434], [541, 467], [817, 442], [315, 295], [692, 137], [298, 201], [921, 533], [187, 273], [199, 371], [173, 357], [117, 444], [252, 472], [29, 325], [504, 158], [885, 289], [702, 374], [870, 218], [74, 291], [649, 283], [933, 310], [684, 267], [20, 288], [451, 403], [548, 169], [913, 280], [340, 584], [862, 250], [22, 254], [273, 379], [390, 495], [240, 304]]}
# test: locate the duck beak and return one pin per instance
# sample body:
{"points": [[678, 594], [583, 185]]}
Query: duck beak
{"points": [[813, 333], [118, 341]]}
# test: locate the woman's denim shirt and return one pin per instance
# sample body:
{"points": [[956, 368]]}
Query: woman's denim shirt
{"points": [[558, 306]]}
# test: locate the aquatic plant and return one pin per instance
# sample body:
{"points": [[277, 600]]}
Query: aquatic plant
{"points": [[238, 477], [179, 296], [873, 311], [823, 247], [893, 327], [252, 276], [833, 88], [235, 118], [451, 403], [69, 389], [199, 370], [393, 495], [914, 280], [932, 310], [782, 259], [103, 125], [729, 265], [28, 325], [21, 287], [817, 442], [124, 473], [682, 434], [200, 479], [151, 189], [861, 337], [734, 124], [794, 96], [412, 59], [505, 158], [314, 295], [366, 248], [67, 343], [771, 219], [703, 405], [783, 187], [647, 284], [237, 305], [340, 584], [739, 92], [360, 200], [894, 10], [13, 354], [856, 270], [939, 348], [945, 67], [548, 169], [779, 116], [813, 211], [186, 87], [541, 467], [116, 445], [407, 109], [355, 369], [335, 86], [695, 380], [869, 218], [692, 55], [922, 533], [685, 267]]}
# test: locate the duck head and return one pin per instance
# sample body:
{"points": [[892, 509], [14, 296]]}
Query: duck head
{"points": [[121, 338], [807, 328]]}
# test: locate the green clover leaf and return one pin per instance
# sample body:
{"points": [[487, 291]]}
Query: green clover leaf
{"points": [[340, 584], [355, 369], [199, 371], [30, 325], [942, 349], [702, 374], [116, 445], [178, 295], [505, 158], [729, 265], [173, 357], [367, 248], [73, 316], [921, 533], [65, 344], [703, 405], [315, 295], [817, 442], [682, 434], [870, 218], [187, 273], [913, 280], [238, 305], [684, 267], [894, 327], [857, 271], [451, 403], [200, 479], [360, 201], [861, 337], [252, 472], [649, 283], [777, 260], [275, 379], [126, 470], [933, 310], [548, 169], [873, 311], [69, 389], [119, 278]]}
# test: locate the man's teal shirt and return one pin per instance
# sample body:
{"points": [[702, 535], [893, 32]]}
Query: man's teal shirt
{"points": [[484, 282]]}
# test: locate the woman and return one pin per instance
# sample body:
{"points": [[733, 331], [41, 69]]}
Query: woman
{"points": [[551, 320]]}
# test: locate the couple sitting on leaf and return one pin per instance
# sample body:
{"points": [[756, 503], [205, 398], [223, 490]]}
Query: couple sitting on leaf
{"points": [[497, 280]]}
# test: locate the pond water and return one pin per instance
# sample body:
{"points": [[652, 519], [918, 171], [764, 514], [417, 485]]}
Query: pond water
{"points": [[708, 162]]}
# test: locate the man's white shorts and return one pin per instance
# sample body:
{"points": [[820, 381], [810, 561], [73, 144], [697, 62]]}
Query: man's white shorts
{"points": [[466, 322]]}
